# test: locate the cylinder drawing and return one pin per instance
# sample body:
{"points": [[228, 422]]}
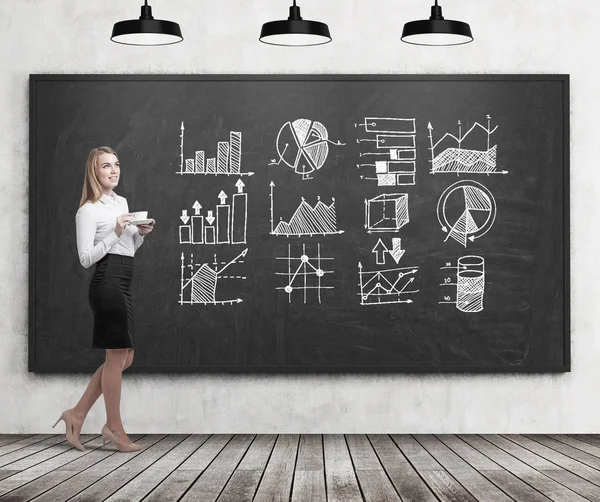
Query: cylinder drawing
{"points": [[470, 284]]}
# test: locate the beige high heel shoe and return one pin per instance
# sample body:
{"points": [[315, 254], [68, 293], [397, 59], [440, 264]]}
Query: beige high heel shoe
{"points": [[67, 417], [107, 435]]}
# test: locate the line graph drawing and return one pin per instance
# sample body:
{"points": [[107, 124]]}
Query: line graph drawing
{"points": [[303, 145], [201, 285], [386, 212], [396, 164], [458, 160], [470, 283], [384, 287], [231, 221], [466, 211], [307, 276], [381, 250], [228, 161], [319, 219]]}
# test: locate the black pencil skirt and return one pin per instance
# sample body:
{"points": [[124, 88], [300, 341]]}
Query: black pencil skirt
{"points": [[110, 299]]}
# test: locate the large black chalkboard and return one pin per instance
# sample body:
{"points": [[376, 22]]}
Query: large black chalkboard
{"points": [[438, 208]]}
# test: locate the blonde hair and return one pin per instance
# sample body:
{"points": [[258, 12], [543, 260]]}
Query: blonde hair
{"points": [[92, 190]]}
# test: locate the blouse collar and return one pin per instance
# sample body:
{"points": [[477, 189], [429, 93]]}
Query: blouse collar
{"points": [[109, 198]]}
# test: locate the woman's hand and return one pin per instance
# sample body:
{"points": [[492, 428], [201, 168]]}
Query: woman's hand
{"points": [[146, 229], [122, 222]]}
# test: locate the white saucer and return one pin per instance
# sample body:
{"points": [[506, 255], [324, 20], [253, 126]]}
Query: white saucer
{"points": [[140, 222]]}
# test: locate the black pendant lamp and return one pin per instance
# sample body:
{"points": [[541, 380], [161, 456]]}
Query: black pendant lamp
{"points": [[436, 30], [146, 30], [295, 31]]}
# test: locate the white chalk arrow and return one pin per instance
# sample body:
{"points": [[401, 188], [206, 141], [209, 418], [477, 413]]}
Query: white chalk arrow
{"points": [[222, 196], [240, 186], [210, 218], [184, 217], [397, 252], [380, 249], [197, 206]]}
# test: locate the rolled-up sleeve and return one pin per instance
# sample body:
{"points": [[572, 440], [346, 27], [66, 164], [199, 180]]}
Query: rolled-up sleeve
{"points": [[86, 232]]}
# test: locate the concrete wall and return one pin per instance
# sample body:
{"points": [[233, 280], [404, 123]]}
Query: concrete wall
{"points": [[512, 36]]}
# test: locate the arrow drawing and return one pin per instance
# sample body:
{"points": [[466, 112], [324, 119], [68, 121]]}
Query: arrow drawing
{"points": [[197, 208], [184, 217]]}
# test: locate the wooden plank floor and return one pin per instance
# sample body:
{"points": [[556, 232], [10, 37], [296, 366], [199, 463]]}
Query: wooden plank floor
{"points": [[303, 468]]}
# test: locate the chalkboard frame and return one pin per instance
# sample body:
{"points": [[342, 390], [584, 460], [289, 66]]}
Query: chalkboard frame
{"points": [[564, 79]]}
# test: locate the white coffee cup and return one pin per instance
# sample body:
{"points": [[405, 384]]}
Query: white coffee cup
{"points": [[140, 215]]}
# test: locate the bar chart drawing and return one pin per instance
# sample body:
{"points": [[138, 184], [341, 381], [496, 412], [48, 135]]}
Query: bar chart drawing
{"points": [[228, 161], [319, 219], [394, 158], [303, 145], [304, 274], [226, 224], [384, 287], [458, 160], [200, 288], [470, 284]]}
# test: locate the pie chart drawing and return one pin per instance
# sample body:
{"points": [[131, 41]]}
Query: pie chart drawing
{"points": [[303, 145], [466, 211]]}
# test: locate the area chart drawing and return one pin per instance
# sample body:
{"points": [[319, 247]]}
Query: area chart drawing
{"points": [[458, 160], [200, 288], [466, 211], [228, 161], [383, 287], [394, 158], [319, 219], [303, 145], [304, 274], [226, 224], [470, 284]]}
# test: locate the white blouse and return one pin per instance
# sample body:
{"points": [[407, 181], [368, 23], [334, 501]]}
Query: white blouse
{"points": [[95, 224]]}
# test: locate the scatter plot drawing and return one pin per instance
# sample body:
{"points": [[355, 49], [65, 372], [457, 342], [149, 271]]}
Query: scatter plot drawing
{"points": [[386, 212], [383, 287], [466, 211], [305, 274], [228, 161], [201, 284], [470, 284], [395, 157], [303, 145], [319, 219], [381, 251], [226, 224], [459, 160]]}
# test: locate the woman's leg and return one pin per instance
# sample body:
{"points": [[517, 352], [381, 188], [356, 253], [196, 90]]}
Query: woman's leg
{"points": [[111, 387]]}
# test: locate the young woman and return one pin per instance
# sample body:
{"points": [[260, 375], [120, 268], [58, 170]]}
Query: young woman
{"points": [[106, 237]]}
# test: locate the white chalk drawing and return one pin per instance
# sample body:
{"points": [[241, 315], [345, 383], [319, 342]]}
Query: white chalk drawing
{"points": [[466, 211], [381, 251], [386, 212], [304, 274], [458, 160], [470, 283], [229, 226], [395, 158], [228, 161], [319, 219], [383, 287], [200, 287], [303, 145]]}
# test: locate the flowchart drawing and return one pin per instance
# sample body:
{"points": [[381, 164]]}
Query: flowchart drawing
{"points": [[395, 158], [319, 219], [229, 226], [304, 273], [470, 283], [228, 161], [386, 212], [383, 287], [459, 160], [381, 251], [303, 145], [200, 288], [466, 211]]}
